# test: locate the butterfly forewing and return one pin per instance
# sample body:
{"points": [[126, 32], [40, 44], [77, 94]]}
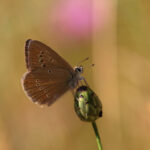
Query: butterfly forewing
{"points": [[39, 56], [49, 74]]}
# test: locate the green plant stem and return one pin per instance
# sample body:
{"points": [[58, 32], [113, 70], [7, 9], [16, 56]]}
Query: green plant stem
{"points": [[97, 135]]}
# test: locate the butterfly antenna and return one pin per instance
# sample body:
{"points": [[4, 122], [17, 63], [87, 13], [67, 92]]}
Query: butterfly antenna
{"points": [[83, 60], [91, 65]]}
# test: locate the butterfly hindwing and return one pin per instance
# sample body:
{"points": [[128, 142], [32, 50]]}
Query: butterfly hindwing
{"points": [[42, 90]]}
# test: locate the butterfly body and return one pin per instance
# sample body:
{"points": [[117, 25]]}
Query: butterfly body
{"points": [[49, 76]]}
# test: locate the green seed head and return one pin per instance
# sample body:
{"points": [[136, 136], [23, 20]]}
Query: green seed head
{"points": [[87, 104]]}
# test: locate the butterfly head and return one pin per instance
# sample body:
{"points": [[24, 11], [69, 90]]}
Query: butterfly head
{"points": [[78, 69]]}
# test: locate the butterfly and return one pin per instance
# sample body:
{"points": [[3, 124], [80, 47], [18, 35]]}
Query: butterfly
{"points": [[49, 76]]}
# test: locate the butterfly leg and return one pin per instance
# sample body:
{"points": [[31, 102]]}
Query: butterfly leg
{"points": [[80, 83], [82, 78]]}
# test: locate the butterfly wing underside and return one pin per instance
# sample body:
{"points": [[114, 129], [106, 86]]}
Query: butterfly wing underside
{"points": [[38, 54], [48, 73]]}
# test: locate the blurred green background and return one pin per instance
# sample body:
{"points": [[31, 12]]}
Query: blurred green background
{"points": [[115, 35]]}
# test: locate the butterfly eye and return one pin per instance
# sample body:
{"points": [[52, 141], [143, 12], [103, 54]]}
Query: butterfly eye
{"points": [[78, 69]]}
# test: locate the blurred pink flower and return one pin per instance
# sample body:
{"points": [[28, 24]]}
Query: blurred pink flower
{"points": [[77, 18]]}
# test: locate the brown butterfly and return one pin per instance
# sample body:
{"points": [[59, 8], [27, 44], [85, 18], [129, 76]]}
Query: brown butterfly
{"points": [[49, 76]]}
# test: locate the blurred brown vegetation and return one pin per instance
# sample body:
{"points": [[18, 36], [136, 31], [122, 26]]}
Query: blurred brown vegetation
{"points": [[121, 78]]}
